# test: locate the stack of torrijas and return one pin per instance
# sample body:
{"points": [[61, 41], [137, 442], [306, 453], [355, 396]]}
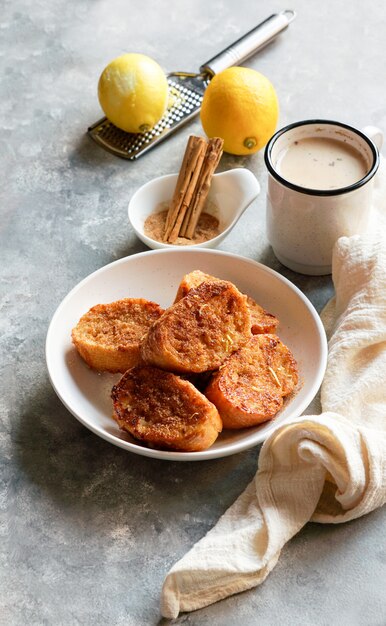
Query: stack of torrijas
{"points": [[198, 166]]}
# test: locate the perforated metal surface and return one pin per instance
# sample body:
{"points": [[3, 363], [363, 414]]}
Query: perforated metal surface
{"points": [[186, 93]]}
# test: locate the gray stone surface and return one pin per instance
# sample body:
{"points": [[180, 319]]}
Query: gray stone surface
{"points": [[88, 531]]}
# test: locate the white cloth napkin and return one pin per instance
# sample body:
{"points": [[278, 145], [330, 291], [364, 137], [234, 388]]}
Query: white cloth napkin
{"points": [[329, 468]]}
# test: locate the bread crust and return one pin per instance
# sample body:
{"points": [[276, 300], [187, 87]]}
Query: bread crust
{"points": [[164, 411], [198, 332], [191, 281], [261, 320], [108, 336], [249, 388]]}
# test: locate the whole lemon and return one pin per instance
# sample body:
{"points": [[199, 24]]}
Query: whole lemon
{"points": [[133, 92], [241, 106]]}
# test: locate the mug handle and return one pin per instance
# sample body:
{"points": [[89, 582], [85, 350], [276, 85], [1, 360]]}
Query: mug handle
{"points": [[375, 134]]}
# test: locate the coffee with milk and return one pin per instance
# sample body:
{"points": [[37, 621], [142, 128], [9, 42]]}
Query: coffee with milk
{"points": [[321, 163]]}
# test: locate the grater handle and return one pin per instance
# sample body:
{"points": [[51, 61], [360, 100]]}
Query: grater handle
{"points": [[250, 43]]}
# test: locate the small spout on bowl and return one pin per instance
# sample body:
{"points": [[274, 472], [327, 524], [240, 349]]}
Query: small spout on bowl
{"points": [[233, 192]]}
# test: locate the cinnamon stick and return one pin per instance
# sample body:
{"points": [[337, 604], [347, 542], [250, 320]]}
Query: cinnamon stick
{"points": [[186, 183], [212, 157]]}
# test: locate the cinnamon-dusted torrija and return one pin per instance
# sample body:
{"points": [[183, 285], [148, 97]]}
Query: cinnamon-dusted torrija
{"points": [[250, 386], [197, 333], [261, 320], [108, 336], [191, 369], [164, 410]]}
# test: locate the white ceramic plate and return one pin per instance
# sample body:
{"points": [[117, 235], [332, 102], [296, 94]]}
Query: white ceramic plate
{"points": [[155, 275]]}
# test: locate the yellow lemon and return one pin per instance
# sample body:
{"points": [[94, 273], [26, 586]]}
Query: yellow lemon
{"points": [[241, 106], [133, 92]]}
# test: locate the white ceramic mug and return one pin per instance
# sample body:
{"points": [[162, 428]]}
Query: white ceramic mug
{"points": [[303, 223]]}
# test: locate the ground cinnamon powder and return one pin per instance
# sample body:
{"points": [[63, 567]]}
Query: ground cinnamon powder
{"points": [[207, 227]]}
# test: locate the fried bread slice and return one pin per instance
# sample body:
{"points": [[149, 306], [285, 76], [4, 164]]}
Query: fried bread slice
{"points": [[191, 281], [199, 331], [261, 320], [249, 388], [108, 336], [164, 411]]}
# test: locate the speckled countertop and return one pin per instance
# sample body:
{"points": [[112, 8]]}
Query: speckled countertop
{"points": [[88, 530]]}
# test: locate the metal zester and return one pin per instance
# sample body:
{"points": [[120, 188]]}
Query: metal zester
{"points": [[187, 90]]}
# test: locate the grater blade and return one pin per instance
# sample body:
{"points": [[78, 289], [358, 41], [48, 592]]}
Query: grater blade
{"points": [[187, 91]]}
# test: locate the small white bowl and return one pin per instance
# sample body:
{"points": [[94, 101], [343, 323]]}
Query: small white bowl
{"points": [[230, 194]]}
